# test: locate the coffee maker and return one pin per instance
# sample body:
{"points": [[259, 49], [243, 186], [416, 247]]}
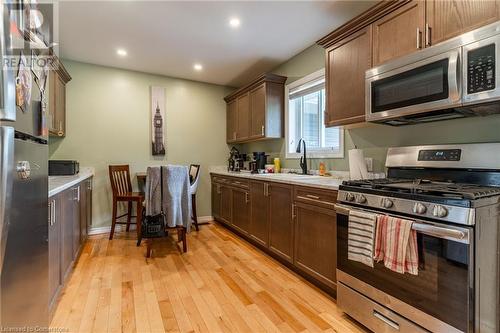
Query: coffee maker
{"points": [[259, 161], [233, 164]]}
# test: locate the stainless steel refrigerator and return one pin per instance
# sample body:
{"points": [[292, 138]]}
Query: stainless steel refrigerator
{"points": [[23, 204]]}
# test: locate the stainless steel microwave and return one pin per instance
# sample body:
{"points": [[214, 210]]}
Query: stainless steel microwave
{"points": [[457, 78]]}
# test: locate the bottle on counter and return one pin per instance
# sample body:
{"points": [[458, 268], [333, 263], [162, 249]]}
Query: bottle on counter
{"points": [[277, 165], [322, 169]]}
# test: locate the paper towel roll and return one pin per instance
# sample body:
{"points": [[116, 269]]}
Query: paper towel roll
{"points": [[357, 164]]}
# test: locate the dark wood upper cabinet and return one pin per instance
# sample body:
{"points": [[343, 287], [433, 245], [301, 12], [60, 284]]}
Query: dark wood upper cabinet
{"points": [[447, 19], [346, 63], [243, 119], [58, 78], [316, 242], [259, 212], [231, 120], [281, 220], [399, 33], [255, 111]]}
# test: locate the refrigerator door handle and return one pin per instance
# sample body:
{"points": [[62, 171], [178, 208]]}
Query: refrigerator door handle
{"points": [[6, 171]]}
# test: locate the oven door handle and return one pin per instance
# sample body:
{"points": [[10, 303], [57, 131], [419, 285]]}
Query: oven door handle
{"points": [[454, 234]]}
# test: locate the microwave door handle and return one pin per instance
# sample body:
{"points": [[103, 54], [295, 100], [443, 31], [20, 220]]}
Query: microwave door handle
{"points": [[454, 77]]}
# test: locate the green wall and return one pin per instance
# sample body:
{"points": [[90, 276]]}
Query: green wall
{"points": [[108, 122], [372, 138]]}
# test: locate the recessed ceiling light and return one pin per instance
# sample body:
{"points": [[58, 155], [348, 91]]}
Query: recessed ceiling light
{"points": [[198, 67], [121, 52], [234, 22]]}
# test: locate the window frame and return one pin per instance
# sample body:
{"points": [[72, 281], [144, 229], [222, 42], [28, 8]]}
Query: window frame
{"points": [[311, 153]]}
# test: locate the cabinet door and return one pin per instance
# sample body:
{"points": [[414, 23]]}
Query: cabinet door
{"points": [[231, 120], [216, 200], [346, 64], [60, 105], [450, 18], [258, 112], [259, 212], [281, 220], [77, 190], [85, 209], [399, 33], [243, 117], [66, 222], [54, 248], [225, 204], [315, 242], [241, 210]]}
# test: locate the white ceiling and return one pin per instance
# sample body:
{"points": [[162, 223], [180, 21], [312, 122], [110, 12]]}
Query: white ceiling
{"points": [[168, 37]]}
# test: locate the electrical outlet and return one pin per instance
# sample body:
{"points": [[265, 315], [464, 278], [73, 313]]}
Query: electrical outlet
{"points": [[369, 164]]}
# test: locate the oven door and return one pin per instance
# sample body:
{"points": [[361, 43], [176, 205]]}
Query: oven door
{"points": [[427, 85], [443, 288]]}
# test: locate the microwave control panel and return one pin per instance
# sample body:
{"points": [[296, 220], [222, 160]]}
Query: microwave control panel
{"points": [[481, 69]]}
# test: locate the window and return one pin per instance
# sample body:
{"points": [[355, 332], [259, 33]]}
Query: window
{"points": [[305, 119]]}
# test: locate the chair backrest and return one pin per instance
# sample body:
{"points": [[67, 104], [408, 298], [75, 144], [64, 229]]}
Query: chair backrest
{"points": [[194, 176], [119, 176]]}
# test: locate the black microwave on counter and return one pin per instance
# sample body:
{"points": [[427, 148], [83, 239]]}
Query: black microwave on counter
{"points": [[63, 168]]}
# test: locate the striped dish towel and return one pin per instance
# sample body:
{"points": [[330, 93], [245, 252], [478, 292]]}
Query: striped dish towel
{"points": [[396, 244], [361, 236]]}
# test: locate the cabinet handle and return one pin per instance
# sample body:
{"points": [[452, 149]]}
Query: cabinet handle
{"points": [[50, 213], [263, 130], [427, 35], [247, 200], [419, 34], [234, 135], [266, 190], [61, 132], [312, 196], [77, 189], [293, 212], [218, 189]]}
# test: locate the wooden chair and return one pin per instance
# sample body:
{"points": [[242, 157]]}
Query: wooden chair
{"points": [[119, 176], [194, 178]]}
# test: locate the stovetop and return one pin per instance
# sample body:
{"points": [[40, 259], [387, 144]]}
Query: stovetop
{"points": [[444, 193], [428, 188]]}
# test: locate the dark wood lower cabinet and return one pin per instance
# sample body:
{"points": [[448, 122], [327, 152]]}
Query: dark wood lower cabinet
{"points": [[316, 241], [294, 224], [281, 220], [216, 200], [259, 212], [241, 210], [225, 204], [70, 215]]}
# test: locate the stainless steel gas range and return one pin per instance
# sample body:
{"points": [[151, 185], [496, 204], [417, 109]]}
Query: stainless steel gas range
{"points": [[452, 193]]}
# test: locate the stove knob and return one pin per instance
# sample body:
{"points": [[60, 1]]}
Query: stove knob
{"points": [[419, 208], [349, 197], [360, 198], [439, 211], [386, 203]]}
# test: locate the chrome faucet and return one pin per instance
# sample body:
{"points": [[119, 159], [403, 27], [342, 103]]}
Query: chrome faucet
{"points": [[303, 159]]}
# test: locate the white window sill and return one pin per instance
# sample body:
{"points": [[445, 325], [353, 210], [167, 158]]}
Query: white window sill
{"points": [[315, 154]]}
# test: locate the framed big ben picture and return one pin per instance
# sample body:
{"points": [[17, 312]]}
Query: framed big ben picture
{"points": [[158, 121]]}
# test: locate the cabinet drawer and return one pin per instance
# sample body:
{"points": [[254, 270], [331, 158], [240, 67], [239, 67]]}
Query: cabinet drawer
{"points": [[323, 198], [239, 183], [374, 316]]}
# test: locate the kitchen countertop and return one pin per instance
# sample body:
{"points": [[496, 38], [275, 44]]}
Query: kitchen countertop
{"points": [[325, 182], [57, 184]]}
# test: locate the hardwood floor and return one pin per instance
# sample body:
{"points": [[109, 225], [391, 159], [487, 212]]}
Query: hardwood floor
{"points": [[222, 284]]}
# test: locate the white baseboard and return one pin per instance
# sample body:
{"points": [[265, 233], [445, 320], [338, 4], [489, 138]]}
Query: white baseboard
{"points": [[121, 227]]}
